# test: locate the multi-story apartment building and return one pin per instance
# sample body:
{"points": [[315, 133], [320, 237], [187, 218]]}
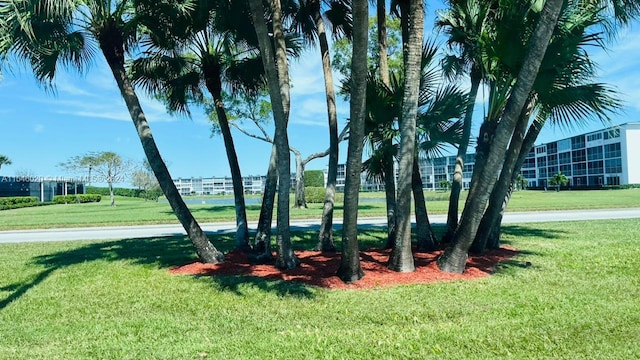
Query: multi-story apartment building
{"points": [[609, 156], [218, 186]]}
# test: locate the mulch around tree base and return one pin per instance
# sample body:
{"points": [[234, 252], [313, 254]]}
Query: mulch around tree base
{"points": [[319, 269]]}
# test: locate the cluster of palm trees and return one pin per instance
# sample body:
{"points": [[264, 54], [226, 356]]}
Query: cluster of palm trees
{"points": [[529, 55]]}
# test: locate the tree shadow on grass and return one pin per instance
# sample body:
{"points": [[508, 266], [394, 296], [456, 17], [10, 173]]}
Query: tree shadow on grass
{"points": [[531, 231]]}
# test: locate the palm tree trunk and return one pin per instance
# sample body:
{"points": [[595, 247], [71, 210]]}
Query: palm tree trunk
{"points": [[113, 50], [389, 173], [401, 258], [500, 190], [454, 258], [383, 65], [424, 233], [214, 86], [456, 184], [390, 195], [350, 269], [278, 81], [532, 134], [262, 244], [325, 237]]}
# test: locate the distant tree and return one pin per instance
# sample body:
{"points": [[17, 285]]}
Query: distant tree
{"points": [[108, 167], [143, 179], [314, 178], [558, 180], [444, 184], [521, 182], [4, 160]]}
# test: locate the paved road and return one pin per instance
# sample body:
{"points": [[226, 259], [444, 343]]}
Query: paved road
{"points": [[127, 232]]}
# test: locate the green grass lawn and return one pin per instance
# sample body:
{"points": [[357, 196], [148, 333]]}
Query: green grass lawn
{"points": [[116, 300], [130, 211]]}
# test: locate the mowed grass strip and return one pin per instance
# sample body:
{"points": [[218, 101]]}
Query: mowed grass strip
{"points": [[132, 211], [117, 300]]}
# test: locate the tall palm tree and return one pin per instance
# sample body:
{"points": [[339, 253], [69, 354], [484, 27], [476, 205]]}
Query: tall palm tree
{"points": [[454, 258], [4, 160], [200, 56], [274, 60], [401, 258], [48, 33], [464, 22], [563, 92], [309, 21], [350, 269]]}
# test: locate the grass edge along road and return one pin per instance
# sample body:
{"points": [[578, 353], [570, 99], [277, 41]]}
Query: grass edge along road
{"points": [[116, 299], [133, 211]]}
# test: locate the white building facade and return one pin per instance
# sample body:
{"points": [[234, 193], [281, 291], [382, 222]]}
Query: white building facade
{"points": [[605, 157], [218, 185]]}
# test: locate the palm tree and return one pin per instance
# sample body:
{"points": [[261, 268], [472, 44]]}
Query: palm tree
{"points": [[350, 269], [464, 22], [563, 93], [309, 22], [46, 34], [276, 68], [454, 258], [4, 160], [401, 258], [203, 56]]}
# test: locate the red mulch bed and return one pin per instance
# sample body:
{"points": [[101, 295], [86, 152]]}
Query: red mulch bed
{"points": [[319, 269]]}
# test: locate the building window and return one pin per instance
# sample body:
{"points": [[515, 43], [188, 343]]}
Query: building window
{"points": [[578, 155], [612, 134], [613, 180], [594, 153], [613, 166], [564, 158], [541, 149], [612, 150], [595, 167], [566, 169], [542, 161], [564, 145], [594, 137], [577, 142], [553, 160], [529, 163], [552, 148], [579, 169]]}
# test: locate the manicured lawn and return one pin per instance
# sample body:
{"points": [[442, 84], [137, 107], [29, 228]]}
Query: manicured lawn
{"points": [[117, 300], [131, 211]]}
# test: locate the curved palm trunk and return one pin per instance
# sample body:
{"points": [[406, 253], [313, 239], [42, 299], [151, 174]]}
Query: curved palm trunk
{"points": [[424, 233], [214, 86], [454, 258], [350, 269], [493, 242], [278, 81], [456, 184], [401, 258], [262, 243], [503, 185], [113, 50], [390, 196], [325, 237]]}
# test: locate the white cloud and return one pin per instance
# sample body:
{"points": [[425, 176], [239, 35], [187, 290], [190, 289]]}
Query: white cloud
{"points": [[39, 128]]}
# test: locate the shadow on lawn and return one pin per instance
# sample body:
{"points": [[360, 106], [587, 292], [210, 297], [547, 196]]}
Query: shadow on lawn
{"points": [[167, 252]]}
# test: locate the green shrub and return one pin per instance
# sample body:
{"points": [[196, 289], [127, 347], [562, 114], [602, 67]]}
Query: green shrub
{"points": [[313, 178], [314, 194], [15, 202], [77, 199]]}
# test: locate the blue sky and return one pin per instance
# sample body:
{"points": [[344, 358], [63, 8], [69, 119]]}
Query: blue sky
{"points": [[40, 129]]}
